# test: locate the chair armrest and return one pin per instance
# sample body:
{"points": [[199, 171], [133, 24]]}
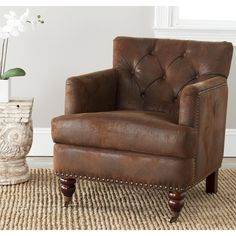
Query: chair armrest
{"points": [[203, 106], [190, 99], [91, 92]]}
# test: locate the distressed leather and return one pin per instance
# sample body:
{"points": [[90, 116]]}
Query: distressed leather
{"points": [[131, 128], [158, 116], [203, 106], [91, 92], [122, 166]]}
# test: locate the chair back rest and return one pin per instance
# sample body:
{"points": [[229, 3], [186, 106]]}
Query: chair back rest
{"points": [[152, 72]]}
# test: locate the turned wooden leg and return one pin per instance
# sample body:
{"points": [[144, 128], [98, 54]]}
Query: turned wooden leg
{"points": [[68, 189], [212, 182], [176, 202]]}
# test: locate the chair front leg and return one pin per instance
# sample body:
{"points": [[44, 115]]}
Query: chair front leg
{"points": [[67, 188], [176, 203], [212, 182]]}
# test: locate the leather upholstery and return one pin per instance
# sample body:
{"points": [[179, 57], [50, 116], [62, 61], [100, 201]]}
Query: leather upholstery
{"points": [[131, 128], [203, 106], [158, 116], [121, 166], [92, 92], [152, 72]]}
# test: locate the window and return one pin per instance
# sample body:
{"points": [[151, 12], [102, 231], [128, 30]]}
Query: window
{"points": [[186, 22]]}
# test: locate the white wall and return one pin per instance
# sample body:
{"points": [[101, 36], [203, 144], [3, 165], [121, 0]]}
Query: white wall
{"points": [[73, 40]]}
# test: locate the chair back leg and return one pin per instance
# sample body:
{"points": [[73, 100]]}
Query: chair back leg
{"points": [[212, 182]]}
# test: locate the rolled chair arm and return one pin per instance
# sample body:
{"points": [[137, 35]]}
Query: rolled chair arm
{"points": [[91, 92], [203, 106], [190, 98]]}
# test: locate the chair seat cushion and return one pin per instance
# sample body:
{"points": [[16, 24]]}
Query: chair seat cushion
{"points": [[136, 131]]}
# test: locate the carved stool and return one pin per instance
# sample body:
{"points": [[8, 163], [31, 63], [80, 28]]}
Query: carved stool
{"points": [[16, 135]]}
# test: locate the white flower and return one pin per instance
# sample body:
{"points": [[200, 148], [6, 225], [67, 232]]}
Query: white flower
{"points": [[14, 25], [24, 19], [11, 15], [25, 16]]}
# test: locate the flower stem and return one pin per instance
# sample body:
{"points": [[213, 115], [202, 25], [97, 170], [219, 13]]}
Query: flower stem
{"points": [[3, 44], [5, 56]]}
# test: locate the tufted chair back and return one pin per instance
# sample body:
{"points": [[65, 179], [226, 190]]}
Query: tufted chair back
{"points": [[153, 72]]}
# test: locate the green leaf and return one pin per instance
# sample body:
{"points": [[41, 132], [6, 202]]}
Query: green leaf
{"points": [[13, 73]]}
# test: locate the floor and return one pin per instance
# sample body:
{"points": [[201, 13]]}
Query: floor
{"points": [[47, 162], [38, 204]]}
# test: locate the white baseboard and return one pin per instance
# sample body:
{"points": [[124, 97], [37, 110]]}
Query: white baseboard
{"points": [[43, 144], [230, 143]]}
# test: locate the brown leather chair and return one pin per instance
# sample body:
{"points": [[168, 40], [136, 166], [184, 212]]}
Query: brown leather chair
{"points": [[156, 119]]}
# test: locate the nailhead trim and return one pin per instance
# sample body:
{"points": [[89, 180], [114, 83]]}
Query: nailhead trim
{"points": [[196, 125], [121, 182]]}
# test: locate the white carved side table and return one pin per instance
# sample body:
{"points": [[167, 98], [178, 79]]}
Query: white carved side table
{"points": [[16, 135]]}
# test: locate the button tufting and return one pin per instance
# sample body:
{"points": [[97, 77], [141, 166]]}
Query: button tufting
{"points": [[142, 94], [151, 53]]}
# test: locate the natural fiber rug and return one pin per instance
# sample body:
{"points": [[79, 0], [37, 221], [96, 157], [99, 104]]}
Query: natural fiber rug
{"points": [[38, 204]]}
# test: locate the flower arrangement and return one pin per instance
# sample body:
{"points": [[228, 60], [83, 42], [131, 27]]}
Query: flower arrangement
{"points": [[14, 26]]}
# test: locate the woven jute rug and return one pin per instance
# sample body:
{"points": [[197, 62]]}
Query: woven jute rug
{"points": [[38, 204]]}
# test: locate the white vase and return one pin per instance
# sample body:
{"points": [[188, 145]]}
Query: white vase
{"points": [[4, 90]]}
